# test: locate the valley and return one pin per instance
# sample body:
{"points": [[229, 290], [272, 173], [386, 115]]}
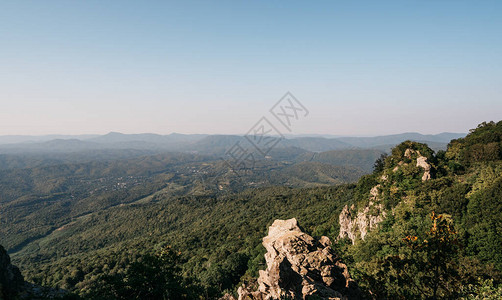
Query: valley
{"points": [[71, 225]]}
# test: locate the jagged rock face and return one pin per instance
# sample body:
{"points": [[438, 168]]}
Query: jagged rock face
{"points": [[354, 225], [422, 162], [359, 226], [298, 266], [11, 280]]}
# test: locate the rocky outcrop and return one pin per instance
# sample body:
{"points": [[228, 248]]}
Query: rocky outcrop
{"points": [[227, 296], [422, 163], [11, 280], [357, 225], [354, 226], [298, 266]]}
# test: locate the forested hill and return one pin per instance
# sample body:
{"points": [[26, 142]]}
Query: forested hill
{"points": [[439, 216], [422, 225]]}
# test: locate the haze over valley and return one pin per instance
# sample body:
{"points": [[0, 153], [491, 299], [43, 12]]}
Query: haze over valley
{"points": [[225, 150]]}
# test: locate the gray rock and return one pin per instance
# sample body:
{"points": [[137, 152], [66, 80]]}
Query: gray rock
{"points": [[298, 266]]}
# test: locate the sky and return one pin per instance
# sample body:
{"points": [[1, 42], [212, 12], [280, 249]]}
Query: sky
{"points": [[217, 67]]}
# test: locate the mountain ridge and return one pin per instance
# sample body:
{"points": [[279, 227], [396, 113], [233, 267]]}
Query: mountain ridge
{"points": [[207, 144]]}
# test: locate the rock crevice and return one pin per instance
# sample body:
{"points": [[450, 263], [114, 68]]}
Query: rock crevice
{"points": [[299, 266]]}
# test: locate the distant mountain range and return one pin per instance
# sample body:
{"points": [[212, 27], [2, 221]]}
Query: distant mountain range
{"points": [[205, 144]]}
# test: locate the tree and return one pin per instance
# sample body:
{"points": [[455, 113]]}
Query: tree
{"points": [[379, 164], [430, 270], [151, 277]]}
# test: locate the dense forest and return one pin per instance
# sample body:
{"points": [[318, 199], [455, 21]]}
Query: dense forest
{"points": [[180, 227], [441, 237]]}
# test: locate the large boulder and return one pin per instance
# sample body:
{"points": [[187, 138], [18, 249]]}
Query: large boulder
{"points": [[299, 266]]}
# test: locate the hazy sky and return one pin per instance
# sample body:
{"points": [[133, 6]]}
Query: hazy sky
{"points": [[364, 68]]}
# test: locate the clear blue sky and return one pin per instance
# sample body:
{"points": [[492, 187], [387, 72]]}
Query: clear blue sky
{"points": [[361, 68]]}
